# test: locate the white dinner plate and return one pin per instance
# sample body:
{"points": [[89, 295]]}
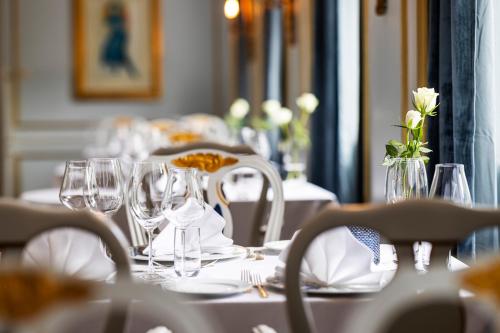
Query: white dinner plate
{"points": [[275, 283], [209, 254], [277, 246], [209, 288]]}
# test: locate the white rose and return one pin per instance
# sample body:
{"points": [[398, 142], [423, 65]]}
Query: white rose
{"points": [[271, 106], [281, 117], [239, 109], [307, 102], [425, 99], [412, 119]]}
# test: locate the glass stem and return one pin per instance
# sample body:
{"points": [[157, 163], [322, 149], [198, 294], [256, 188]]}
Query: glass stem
{"points": [[150, 253]]}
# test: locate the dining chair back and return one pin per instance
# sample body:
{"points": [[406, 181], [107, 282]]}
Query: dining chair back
{"points": [[441, 223], [216, 161], [143, 308], [212, 127], [438, 308], [21, 222]]}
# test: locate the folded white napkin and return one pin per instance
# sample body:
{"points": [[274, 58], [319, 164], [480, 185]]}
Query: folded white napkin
{"points": [[335, 258], [70, 252], [211, 225]]}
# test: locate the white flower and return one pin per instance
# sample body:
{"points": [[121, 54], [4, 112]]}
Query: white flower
{"points": [[281, 117], [425, 99], [271, 106], [412, 119], [239, 108], [307, 102]]}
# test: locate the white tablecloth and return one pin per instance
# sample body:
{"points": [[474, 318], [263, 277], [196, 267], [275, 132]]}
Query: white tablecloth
{"points": [[242, 312]]}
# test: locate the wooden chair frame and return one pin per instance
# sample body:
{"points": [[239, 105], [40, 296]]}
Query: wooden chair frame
{"points": [[438, 222]]}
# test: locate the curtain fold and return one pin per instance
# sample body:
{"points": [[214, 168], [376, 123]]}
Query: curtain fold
{"points": [[461, 59], [335, 155]]}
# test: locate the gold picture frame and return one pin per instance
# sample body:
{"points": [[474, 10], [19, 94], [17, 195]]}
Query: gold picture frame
{"points": [[117, 49]]}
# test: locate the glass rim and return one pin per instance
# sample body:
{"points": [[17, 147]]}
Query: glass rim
{"points": [[182, 169], [103, 159], [449, 165], [75, 161]]}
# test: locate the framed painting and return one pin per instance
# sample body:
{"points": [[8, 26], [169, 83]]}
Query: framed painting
{"points": [[117, 49]]}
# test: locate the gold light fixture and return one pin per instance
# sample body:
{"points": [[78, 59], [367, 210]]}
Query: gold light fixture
{"points": [[231, 9]]}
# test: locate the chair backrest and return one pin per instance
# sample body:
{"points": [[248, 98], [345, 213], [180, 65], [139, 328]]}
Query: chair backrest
{"points": [[212, 127], [438, 222], [438, 308], [142, 308], [216, 161], [21, 222]]}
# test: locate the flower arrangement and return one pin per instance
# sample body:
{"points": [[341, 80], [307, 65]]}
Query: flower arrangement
{"points": [[235, 119], [294, 128], [425, 104]]}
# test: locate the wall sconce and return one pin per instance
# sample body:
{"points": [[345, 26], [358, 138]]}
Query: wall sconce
{"points": [[231, 9]]}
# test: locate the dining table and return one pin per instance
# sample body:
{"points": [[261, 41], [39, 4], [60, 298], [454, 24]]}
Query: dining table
{"points": [[331, 312]]}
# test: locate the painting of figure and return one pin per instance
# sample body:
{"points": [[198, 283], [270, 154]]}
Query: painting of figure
{"points": [[117, 49]]}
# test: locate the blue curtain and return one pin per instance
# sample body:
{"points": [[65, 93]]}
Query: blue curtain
{"points": [[273, 74], [335, 156], [461, 58]]}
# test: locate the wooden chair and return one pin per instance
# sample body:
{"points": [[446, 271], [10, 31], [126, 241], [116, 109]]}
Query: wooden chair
{"points": [[437, 309], [21, 222], [216, 161], [440, 223]]}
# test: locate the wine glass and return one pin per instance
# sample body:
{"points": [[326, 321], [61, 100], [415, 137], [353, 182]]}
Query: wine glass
{"points": [[148, 188], [73, 183], [450, 183], [183, 205], [104, 186]]}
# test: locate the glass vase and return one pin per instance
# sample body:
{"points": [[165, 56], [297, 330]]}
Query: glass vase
{"points": [[295, 162], [405, 179]]}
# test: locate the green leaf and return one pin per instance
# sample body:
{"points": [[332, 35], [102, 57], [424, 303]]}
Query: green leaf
{"points": [[425, 150], [391, 151], [425, 159]]}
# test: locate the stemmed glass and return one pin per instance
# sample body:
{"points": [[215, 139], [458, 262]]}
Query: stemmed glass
{"points": [[73, 183], [184, 204], [450, 183], [148, 188], [104, 185]]}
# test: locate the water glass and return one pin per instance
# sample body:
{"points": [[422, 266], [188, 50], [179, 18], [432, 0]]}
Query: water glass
{"points": [[450, 183], [187, 251], [73, 183], [104, 185]]}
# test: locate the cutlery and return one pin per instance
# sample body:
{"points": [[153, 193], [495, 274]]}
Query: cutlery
{"points": [[255, 280]]}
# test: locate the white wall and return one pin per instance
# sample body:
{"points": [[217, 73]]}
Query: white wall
{"points": [[45, 93]]}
